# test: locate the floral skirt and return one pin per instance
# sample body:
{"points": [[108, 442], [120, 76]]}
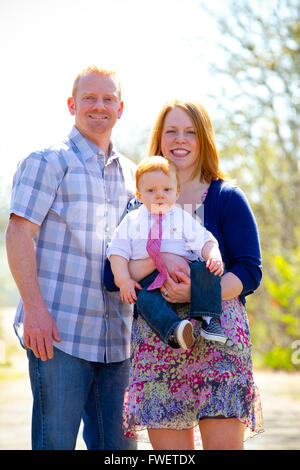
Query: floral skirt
{"points": [[174, 389]]}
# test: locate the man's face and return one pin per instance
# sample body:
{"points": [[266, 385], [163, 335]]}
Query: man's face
{"points": [[96, 107]]}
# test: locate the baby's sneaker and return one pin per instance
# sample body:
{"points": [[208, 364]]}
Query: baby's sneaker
{"points": [[183, 334], [213, 331]]}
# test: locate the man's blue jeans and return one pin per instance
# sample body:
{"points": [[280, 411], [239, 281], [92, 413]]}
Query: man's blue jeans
{"points": [[159, 314], [67, 389]]}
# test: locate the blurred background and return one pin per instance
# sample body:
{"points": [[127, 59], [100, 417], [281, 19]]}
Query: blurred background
{"points": [[240, 58]]}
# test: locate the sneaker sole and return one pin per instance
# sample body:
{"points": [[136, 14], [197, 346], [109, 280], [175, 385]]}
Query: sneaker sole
{"points": [[220, 339], [185, 336]]}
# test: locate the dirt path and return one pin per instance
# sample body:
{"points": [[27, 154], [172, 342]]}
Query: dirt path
{"points": [[280, 393]]}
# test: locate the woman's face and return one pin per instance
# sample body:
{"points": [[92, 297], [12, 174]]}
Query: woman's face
{"points": [[179, 142]]}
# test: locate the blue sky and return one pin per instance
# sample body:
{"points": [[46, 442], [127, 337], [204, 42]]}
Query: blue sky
{"points": [[160, 47]]}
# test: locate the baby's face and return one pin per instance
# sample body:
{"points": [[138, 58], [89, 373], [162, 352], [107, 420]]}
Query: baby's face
{"points": [[158, 191]]}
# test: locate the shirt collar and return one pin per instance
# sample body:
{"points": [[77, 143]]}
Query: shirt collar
{"points": [[147, 213], [87, 148]]}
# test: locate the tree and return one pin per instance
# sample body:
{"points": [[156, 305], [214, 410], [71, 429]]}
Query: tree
{"points": [[258, 129], [5, 191]]}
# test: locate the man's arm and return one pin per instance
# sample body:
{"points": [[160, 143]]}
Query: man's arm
{"points": [[39, 326]]}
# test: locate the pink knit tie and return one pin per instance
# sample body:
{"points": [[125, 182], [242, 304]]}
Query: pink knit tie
{"points": [[153, 248]]}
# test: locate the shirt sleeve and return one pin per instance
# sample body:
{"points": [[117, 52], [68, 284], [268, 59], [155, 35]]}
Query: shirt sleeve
{"points": [[120, 243], [34, 188], [241, 239]]}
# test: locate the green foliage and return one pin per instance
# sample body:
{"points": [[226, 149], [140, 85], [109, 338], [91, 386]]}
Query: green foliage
{"points": [[258, 131], [279, 358], [5, 191], [282, 289], [8, 291]]}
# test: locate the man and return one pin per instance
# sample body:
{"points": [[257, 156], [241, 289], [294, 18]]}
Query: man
{"points": [[69, 198]]}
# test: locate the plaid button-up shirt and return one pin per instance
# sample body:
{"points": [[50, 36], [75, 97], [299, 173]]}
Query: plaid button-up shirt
{"points": [[77, 199]]}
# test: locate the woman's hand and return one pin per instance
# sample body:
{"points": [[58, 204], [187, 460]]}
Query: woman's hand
{"points": [[181, 292], [140, 268], [174, 264], [177, 292]]}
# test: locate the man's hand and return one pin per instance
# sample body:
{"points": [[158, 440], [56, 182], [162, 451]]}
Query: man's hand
{"points": [[40, 331]]}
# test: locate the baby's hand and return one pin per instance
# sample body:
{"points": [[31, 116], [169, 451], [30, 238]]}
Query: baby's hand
{"points": [[127, 291], [215, 265]]}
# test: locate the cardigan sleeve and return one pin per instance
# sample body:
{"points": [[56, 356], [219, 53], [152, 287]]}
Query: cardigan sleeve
{"points": [[240, 237]]}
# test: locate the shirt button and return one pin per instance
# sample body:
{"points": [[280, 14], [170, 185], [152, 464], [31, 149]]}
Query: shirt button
{"points": [[106, 229]]}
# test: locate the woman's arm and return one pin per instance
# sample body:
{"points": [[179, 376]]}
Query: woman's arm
{"points": [[231, 287], [39, 326], [241, 241], [139, 269]]}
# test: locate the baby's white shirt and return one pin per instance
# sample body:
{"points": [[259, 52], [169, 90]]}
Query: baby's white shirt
{"points": [[182, 234]]}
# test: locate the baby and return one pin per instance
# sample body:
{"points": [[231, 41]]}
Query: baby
{"points": [[158, 189]]}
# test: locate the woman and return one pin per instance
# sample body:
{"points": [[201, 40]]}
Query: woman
{"points": [[211, 384]]}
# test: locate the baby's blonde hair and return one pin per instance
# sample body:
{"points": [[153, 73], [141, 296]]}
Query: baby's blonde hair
{"points": [[156, 163]]}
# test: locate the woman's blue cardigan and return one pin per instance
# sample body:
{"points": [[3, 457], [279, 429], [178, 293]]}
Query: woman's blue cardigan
{"points": [[227, 214]]}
